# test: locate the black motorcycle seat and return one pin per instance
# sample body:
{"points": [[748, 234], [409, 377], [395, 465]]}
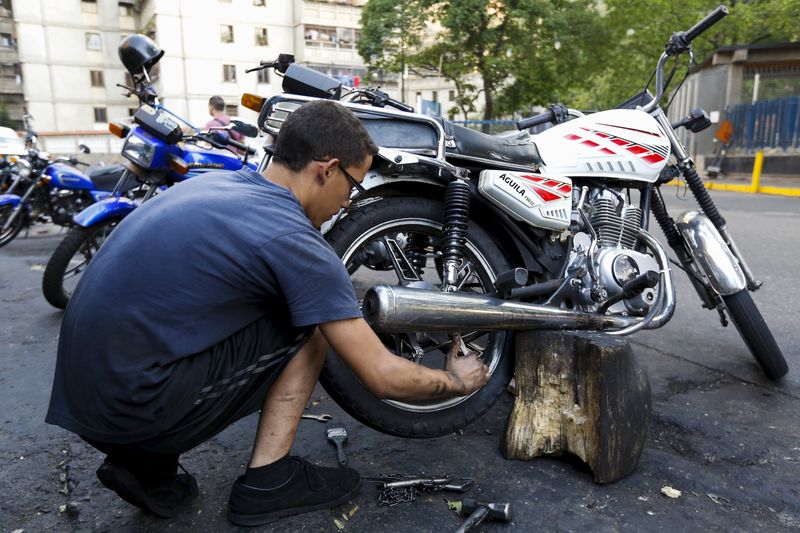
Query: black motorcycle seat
{"points": [[515, 148], [105, 178]]}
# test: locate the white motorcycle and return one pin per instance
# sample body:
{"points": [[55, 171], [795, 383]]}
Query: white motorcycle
{"points": [[459, 231]]}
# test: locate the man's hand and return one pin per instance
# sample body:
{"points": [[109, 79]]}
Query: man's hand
{"points": [[467, 370]]}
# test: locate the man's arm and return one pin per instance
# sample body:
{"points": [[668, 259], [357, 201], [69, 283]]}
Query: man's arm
{"points": [[388, 376]]}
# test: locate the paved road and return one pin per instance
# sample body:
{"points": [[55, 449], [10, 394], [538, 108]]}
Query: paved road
{"points": [[721, 433]]}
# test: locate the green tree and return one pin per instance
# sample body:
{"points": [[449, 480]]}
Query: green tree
{"points": [[640, 28], [524, 52]]}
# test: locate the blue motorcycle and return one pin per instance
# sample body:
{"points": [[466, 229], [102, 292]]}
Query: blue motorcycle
{"points": [[38, 189], [159, 153]]}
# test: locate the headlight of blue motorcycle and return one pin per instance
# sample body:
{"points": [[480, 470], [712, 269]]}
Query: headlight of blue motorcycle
{"points": [[139, 151]]}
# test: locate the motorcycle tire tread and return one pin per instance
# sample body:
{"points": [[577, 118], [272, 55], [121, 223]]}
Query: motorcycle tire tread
{"points": [[14, 230], [53, 278], [756, 334], [360, 403]]}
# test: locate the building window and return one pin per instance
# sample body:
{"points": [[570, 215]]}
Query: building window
{"points": [[451, 95], [89, 6], [97, 78], [125, 9], [100, 114], [321, 36], [93, 41], [260, 3], [229, 73], [419, 94], [6, 40], [263, 76], [226, 33], [231, 110], [435, 96], [261, 37]]}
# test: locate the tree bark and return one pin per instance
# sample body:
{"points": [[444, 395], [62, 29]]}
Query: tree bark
{"points": [[579, 393]]}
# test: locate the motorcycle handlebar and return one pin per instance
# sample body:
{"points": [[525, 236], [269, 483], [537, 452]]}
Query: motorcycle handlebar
{"points": [[241, 146], [709, 20], [530, 122]]}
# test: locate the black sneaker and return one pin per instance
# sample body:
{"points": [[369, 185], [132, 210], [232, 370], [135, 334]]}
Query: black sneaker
{"points": [[164, 496], [308, 488]]}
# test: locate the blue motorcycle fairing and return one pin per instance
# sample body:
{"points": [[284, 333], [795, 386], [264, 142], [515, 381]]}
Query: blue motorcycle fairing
{"points": [[66, 177], [111, 207], [10, 199], [99, 195]]}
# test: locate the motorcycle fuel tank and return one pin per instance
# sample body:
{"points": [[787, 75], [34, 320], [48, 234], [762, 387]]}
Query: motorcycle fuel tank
{"points": [[542, 200], [625, 144], [66, 177]]}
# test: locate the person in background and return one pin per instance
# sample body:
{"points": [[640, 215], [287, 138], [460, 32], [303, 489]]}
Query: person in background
{"points": [[216, 108]]}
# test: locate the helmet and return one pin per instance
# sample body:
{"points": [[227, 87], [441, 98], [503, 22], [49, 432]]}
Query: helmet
{"points": [[138, 51]]}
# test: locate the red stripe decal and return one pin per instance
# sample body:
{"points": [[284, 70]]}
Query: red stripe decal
{"points": [[601, 134], [545, 195], [566, 188], [636, 149], [653, 158], [620, 142], [572, 137], [587, 142], [535, 179], [551, 183], [607, 151]]}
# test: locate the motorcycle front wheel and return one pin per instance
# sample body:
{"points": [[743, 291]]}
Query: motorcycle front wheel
{"points": [[16, 226], [756, 334], [412, 228], [70, 259]]}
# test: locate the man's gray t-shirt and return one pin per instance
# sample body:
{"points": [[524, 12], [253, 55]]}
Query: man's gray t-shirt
{"points": [[180, 274]]}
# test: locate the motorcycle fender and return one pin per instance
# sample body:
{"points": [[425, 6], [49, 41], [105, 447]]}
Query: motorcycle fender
{"points": [[113, 206], [9, 199], [99, 195], [711, 253]]}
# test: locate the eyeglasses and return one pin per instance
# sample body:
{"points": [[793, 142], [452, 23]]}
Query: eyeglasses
{"points": [[356, 186]]}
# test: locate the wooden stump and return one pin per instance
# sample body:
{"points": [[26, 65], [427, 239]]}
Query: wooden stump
{"points": [[579, 393]]}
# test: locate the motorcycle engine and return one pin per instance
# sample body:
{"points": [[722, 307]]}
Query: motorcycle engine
{"points": [[614, 258], [65, 204]]}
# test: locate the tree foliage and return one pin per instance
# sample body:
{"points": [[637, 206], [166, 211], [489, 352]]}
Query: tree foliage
{"points": [[535, 52], [522, 51]]}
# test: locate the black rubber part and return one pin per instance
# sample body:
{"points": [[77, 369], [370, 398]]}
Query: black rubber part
{"points": [[14, 230], [53, 278], [343, 386], [756, 334], [700, 193]]}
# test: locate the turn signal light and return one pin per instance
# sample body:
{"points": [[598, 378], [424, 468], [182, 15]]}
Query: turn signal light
{"points": [[253, 101], [118, 130], [178, 165]]}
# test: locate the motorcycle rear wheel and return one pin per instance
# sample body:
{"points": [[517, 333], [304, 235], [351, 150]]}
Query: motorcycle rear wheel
{"points": [[407, 221], [71, 258], [756, 334], [11, 233]]}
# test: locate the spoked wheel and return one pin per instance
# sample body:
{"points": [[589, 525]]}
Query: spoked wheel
{"points": [[397, 241], [70, 259], [16, 226], [756, 334]]}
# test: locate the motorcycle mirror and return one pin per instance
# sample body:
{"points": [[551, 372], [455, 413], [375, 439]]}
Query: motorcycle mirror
{"points": [[284, 60], [84, 149], [700, 120], [248, 130]]}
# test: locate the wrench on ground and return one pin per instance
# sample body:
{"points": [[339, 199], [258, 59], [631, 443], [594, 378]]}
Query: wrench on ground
{"points": [[320, 418]]}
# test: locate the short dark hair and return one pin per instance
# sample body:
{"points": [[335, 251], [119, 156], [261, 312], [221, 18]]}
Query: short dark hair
{"points": [[322, 129], [217, 102]]}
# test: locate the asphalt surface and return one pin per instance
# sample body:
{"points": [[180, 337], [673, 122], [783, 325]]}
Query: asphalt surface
{"points": [[721, 433]]}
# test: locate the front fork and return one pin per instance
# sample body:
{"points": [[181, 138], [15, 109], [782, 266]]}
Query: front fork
{"points": [[695, 183]]}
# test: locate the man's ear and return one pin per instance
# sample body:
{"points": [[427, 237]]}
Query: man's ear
{"points": [[327, 170]]}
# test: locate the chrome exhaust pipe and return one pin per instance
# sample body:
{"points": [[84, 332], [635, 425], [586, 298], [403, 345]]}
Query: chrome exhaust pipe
{"points": [[399, 309]]}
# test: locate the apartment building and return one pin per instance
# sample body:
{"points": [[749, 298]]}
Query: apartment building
{"points": [[69, 67], [12, 100]]}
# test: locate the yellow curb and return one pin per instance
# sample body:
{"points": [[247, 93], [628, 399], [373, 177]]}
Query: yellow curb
{"points": [[779, 191]]}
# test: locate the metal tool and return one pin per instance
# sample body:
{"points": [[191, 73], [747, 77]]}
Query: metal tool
{"points": [[338, 436], [321, 418], [398, 488], [479, 511]]}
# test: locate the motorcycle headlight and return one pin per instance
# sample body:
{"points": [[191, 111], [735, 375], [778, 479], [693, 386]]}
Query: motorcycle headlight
{"points": [[139, 151], [23, 167], [278, 115]]}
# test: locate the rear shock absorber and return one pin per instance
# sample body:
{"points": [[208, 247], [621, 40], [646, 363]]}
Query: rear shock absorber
{"points": [[454, 230]]}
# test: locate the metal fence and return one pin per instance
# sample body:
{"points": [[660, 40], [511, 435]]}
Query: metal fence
{"points": [[766, 124]]}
